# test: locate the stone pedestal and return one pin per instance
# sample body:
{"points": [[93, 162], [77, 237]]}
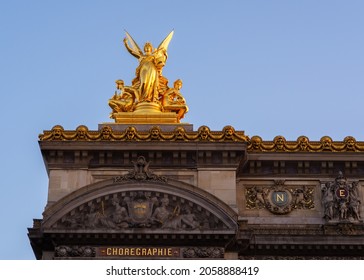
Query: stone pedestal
{"points": [[146, 127]]}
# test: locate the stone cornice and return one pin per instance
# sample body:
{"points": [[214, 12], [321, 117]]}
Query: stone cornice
{"points": [[228, 134], [131, 134], [279, 144]]}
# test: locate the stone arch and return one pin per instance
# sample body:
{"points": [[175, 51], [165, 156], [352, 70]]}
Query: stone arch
{"points": [[96, 208]]}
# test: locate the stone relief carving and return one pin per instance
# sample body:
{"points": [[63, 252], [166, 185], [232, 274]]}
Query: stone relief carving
{"points": [[204, 252], [141, 171], [341, 200], [90, 252], [141, 209], [279, 199], [75, 251]]}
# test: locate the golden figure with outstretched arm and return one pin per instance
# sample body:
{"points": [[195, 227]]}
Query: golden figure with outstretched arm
{"points": [[150, 67]]}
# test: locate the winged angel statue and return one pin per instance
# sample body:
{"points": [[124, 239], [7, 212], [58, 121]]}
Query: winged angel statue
{"points": [[149, 85]]}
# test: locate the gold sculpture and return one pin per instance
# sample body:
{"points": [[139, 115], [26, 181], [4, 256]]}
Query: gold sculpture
{"points": [[149, 98], [173, 101]]}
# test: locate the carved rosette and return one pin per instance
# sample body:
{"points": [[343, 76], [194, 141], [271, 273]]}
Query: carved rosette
{"points": [[279, 199]]}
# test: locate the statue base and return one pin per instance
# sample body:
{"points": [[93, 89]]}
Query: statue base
{"points": [[147, 127], [146, 113], [145, 118]]}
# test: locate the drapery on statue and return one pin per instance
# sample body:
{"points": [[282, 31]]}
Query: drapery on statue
{"points": [[149, 88], [173, 101]]}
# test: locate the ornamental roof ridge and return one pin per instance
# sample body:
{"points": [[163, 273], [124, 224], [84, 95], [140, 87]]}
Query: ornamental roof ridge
{"points": [[155, 133], [204, 134], [304, 144]]}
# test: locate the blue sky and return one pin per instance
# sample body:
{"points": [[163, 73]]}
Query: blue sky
{"points": [[269, 68]]}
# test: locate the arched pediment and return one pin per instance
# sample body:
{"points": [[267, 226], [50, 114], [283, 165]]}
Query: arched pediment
{"points": [[136, 205]]}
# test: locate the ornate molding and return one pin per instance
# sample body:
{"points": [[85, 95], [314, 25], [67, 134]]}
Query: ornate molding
{"points": [[303, 144], [64, 251], [279, 199], [203, 252], [204, 134], [283, 230], [343, 229], [75, 251]]}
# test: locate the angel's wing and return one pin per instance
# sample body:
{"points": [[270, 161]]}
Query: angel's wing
{"points": [[134, 45], [165, 42]]}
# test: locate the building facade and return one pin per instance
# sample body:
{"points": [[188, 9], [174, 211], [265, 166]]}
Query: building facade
{"points": [[149, 186], [139, 193]]}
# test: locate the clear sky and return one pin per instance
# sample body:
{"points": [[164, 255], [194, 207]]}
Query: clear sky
{"points": [[269, 68]]}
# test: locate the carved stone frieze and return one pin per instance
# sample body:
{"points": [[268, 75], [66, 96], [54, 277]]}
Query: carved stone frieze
{"points": [[204, 252], [278, 198], [284, 230], [341, 200], [344, 228], [140, 209], [75, 251], [141, 171]]}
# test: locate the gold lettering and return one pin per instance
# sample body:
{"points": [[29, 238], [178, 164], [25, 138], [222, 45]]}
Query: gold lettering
{"points": [[280, 197], [151, 251], [342, 193]]}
